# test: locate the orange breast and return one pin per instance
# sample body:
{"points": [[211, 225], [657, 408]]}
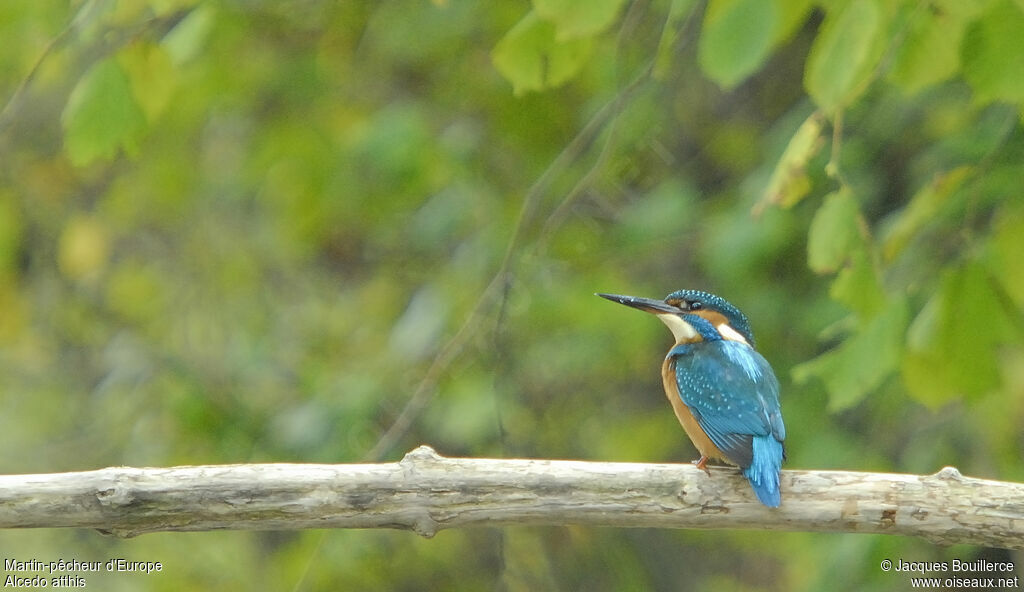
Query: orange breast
{"points": [[700, 439]]}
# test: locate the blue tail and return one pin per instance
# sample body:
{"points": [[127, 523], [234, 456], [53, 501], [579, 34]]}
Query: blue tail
{"points": [[763, 472]]}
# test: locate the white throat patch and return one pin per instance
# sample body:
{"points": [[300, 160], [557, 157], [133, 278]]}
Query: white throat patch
{"points": [[681, 330]]}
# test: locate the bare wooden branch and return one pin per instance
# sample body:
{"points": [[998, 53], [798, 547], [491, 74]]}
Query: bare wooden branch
{"points": [[426, 493]]}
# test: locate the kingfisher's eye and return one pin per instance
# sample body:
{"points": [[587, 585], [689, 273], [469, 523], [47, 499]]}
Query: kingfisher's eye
{"points": [[695, 305]]}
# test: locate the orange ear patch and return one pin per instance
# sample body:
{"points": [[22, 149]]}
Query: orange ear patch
{"points": [[713, 316]]}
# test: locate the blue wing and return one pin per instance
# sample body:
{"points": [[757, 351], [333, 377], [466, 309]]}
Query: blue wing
{"points": [[734, 396]]}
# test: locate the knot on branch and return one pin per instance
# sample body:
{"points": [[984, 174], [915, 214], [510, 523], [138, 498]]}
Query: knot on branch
{"points": [[423, 453], [949, 474], [424, 525], [115, 496]]}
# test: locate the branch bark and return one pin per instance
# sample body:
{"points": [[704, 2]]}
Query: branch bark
{"points": [[425, 492]]}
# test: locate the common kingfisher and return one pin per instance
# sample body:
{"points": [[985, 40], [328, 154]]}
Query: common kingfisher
{"points": [[722, 390]]}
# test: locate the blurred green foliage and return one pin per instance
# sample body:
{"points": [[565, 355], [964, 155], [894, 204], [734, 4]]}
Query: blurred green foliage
{"points": [[250, 231]]}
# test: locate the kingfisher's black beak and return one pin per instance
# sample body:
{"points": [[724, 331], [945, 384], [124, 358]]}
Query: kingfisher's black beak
{"points": [[645, 304]]}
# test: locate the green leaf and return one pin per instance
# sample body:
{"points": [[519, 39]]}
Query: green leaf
{"points": [[153, 77], [102, 115], [845, 53], [11, 232], [185, 41], [84, 248], [930, 52], [735, 39], [1008, 245], [792, 14], [860, 365], [531, 58], [952, 345], [857, 287], [961, 10], [789, 182], [834, 233], [993, 54], [578, 18], [677, 13], [136, 292], [921, 210]]}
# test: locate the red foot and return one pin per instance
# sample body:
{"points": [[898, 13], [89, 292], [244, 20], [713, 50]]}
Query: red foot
{"points": [[701, 463]]}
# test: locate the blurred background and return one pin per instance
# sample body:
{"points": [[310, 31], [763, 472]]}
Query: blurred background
{"points": [[324, 231]]}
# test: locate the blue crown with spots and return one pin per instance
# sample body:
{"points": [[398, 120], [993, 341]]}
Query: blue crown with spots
{"points": [[708, 301]]}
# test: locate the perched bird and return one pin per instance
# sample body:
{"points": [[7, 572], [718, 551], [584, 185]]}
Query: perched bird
{"points": [[723, 392]]}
